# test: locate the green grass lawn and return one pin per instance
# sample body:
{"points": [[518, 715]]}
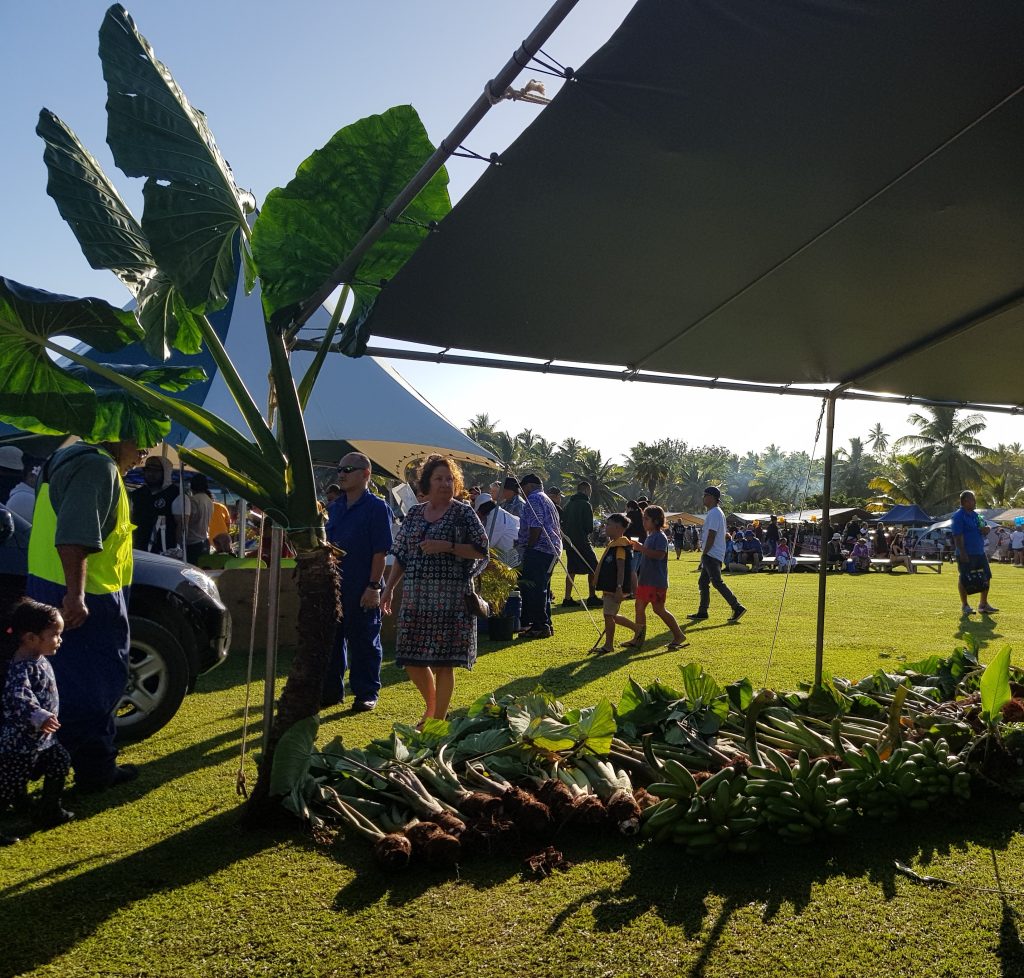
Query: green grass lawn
{"points": [[157, 878]]}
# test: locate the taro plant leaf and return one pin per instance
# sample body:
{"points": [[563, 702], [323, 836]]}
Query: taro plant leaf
{"points": [[35, 393], [740, 693], [635, 704], [292, 754], [167, 319], [593, 726], [995, 686], [120, 415], [485, 705], [193, 210], [826, 700], [307, 228], [698, 685], [106, 229], [483, 743]]}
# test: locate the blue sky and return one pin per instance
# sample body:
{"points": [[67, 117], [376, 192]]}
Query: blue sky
{"points": [[276, 81]]}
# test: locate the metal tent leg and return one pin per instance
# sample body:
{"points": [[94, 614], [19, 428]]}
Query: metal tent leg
{"points": [[826, 521]]}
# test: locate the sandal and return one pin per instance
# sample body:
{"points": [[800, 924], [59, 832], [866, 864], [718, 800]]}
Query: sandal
{"points": [[676, 646], [636, 641]]}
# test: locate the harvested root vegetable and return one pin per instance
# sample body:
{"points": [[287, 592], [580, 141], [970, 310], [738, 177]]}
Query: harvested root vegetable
{"points": [[451, 824], [532, 816], [542, 864], [488, 837], [480, 805], [392, 852], [556, 795], [590, 811], [624, 813], [433, 845], [644, 798]]}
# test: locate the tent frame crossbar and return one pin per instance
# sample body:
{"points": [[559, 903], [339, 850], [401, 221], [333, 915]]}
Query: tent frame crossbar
{"points": [[842, 392]]}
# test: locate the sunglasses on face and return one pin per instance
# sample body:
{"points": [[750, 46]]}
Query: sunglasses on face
{"points": [[346, 469]]}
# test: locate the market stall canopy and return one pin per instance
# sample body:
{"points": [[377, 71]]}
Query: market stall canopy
{"points": [[687, 518], [906, 516], [835, 185], [839, 515]]}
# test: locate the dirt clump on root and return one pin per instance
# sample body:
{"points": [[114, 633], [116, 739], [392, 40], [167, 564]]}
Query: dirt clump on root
{"points": [[393, 852], [542, 864]]}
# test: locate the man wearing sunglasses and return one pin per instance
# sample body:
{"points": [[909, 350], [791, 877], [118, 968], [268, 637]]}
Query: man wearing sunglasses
{"points": [[360, 524]]}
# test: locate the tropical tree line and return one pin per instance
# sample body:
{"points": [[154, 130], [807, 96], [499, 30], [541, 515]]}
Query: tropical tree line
{"points": [[929, 467]]}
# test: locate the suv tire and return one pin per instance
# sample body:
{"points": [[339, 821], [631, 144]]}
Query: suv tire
{"points": [[158, 677]]}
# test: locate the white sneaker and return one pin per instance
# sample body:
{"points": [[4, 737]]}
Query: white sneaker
{"points": [[966, 610]]}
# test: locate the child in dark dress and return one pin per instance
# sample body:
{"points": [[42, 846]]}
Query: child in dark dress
{"points": [[28, 747]]}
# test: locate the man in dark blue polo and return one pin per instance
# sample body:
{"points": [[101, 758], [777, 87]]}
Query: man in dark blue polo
{"points": [[360, 524]]}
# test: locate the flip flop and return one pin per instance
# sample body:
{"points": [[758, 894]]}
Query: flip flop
{"points": [[676, 646]]}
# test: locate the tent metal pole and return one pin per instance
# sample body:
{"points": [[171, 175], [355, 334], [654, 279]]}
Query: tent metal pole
{"points": [[826, 522], [671, 380], [273, 607], [493, 92]]}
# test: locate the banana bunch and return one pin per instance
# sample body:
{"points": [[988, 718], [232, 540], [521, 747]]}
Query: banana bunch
{"points": [[705, 819], [798, 802], [911, 777]]}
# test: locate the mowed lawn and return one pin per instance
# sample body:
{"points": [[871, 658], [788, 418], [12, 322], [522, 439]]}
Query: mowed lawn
{"points": [[157, 878]]}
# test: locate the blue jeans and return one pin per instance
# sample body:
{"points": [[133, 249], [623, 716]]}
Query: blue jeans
{"points": [[357, 650], [535, 576], [711, 576], [91, 669]]}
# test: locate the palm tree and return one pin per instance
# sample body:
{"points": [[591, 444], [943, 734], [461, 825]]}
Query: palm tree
{"points": [[853, 471], [480, 429], [605, 479], [947, 443], [546, 458], [909, 483], [650, 465], [878, 439]]}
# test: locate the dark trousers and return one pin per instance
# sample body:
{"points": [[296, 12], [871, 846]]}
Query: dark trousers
{"points": [[535, 581], [91, 669], [711, 576], [357, 650]]}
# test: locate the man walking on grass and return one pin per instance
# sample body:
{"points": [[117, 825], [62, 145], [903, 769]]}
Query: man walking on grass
{"points": [[711, 558], [972, 563]]}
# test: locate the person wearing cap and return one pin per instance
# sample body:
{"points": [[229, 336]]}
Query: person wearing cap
{"points": [[510, 500], [835, 556], [80, 560], [540, 543], [157, 508], [711, 558], [360, 524], [22, 500], [11, 462]]}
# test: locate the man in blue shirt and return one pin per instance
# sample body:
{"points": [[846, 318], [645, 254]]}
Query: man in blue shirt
{"points": [[540, 542], [970, 555], [360, 524]]}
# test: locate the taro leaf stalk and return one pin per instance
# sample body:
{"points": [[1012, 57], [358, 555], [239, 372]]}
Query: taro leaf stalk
{"points": [[178, 262]]}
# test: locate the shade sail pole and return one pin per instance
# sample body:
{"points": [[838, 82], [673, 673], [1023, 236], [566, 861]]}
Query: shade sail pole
{"points": [[826, 522], [491, 95]]}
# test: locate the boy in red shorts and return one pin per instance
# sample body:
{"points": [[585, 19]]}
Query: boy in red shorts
{"points": [[652, 580]]}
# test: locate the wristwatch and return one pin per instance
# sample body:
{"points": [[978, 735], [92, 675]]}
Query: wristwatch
{"points": [[375, 586]]}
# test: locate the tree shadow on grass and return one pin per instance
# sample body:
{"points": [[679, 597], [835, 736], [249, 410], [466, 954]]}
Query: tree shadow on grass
{"points": [[42, 924], [664, 881]]}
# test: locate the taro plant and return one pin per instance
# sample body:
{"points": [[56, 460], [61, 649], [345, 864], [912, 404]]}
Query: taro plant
{"points": [[180, 263]]}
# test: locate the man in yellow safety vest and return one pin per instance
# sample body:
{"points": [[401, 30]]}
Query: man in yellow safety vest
{"points": [[80, 560]]}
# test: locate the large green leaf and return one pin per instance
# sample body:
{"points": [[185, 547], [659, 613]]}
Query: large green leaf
{"points": [[111, 238], [35, 393], [292, 755], [193, 210], [995, 686], [306, 229], [270, 499], [121, 415], [107, 231]]}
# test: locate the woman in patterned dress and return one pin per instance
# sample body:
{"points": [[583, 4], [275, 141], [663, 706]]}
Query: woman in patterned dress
{"points": [[437, 551]]}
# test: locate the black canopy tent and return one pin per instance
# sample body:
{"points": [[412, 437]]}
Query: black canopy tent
{"points": [[840, 178]]}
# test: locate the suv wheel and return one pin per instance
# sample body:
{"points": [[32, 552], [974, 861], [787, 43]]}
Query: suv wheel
{"points": [[157, 681]]}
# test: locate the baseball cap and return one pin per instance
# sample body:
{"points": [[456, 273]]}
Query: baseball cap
{"points": [[713, 491], [10, 457]]}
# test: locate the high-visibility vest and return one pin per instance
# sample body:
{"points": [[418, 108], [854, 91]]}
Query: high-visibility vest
{"points": [[107, 571]]}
